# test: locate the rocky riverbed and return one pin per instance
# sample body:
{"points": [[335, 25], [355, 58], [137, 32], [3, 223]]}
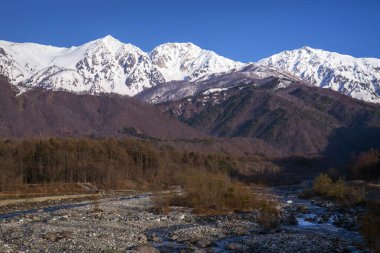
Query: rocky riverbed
{"points": [[130, 224]]}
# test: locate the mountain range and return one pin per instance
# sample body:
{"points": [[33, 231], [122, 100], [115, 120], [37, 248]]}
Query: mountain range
{"points": [[107, 65], [305, 102]]}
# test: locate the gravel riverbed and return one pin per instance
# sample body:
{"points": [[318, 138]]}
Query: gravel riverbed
{"points": [[128, 224]]}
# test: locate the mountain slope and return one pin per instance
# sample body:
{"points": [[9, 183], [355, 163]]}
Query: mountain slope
{"points": [[356, 77], [56, 113], [251, 74], [298, 119], [106, 65]]}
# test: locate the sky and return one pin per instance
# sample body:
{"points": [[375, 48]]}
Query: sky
{"points": [[244, 30]]}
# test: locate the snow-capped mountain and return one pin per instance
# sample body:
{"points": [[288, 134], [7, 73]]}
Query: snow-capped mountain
{"points": [[106, 65], [356, 77], [186, 61]]}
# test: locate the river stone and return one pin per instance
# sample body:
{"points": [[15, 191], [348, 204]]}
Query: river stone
{"points": [[234, 246], [203, 243], [220, 236], [66, 234], [156, 239], [146, 249], [302, 209], [290, 220], [200, 251], [142, 238], [50, 236], [111, 251]]}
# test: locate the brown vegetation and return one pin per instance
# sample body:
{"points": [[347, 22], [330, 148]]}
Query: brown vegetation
{"points": [[108, 163], [209, 192], [216, 193], [347, 195]]}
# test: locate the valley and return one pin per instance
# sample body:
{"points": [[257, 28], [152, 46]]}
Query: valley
{"points": [[108, 148]]}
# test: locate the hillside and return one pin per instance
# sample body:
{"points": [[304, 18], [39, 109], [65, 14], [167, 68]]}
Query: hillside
{"points": [[40, 112], [298, 119]]}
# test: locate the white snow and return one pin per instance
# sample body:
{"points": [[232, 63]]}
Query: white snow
{"points": [[213, 90], [357, 77], [106, 65]]}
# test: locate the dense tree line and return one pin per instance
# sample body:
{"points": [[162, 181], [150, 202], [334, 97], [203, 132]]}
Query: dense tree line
{"points": [[73, 160], [105, 162]]}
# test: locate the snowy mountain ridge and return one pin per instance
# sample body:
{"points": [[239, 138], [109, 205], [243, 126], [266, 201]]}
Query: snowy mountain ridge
{"points": [[106, 65], [251, 74], [356, 77]]}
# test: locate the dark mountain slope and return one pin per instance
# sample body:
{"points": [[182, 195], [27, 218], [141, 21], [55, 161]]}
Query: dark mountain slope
{"points": [[299, 119], [45, 113]]}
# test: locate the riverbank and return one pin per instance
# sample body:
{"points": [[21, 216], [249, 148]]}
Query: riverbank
{"points": [[128, 223]]}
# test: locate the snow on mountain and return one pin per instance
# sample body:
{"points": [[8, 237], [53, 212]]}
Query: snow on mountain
{"points": [[186, 61], [250, 74], [356, 77], [106, 65]]}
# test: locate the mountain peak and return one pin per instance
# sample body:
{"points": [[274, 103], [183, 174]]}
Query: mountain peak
{"points": [[109, 38], [307, 48], [332, 70], [110, 42], [186, 61], [177, 46]]}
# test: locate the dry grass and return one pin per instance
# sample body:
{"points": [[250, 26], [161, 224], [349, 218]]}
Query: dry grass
{"points": [[41, 190], [212, 194], [347, 195], [7, 202]]}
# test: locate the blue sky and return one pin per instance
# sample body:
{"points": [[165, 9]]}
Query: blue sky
{"points": [[245, 30]]}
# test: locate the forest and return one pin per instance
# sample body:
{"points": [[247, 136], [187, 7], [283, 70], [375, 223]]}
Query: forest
{"points": [[135, 163], [110, 163]]}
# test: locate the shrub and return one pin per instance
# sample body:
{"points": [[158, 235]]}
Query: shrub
{"points": [[210, 193], [207, 192], [353, 195], [269, 214], [322, 184], [339, 190]]}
